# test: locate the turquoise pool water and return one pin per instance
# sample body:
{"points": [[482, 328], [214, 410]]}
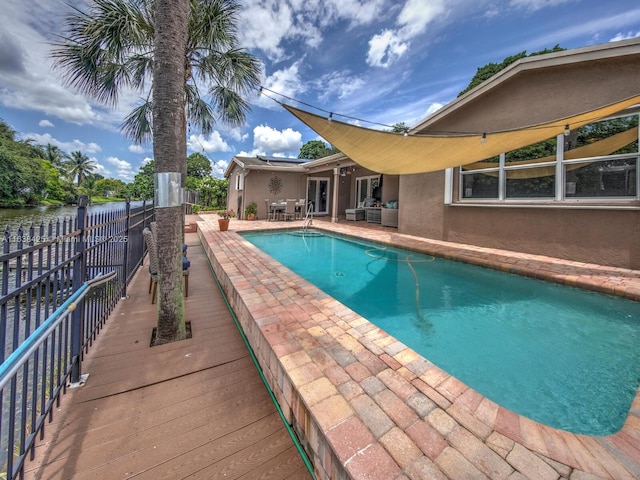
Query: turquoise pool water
{"points": [[562, 356]]}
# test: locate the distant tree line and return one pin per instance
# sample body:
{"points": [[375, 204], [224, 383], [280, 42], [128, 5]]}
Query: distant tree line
{"points": [[33, 174]]}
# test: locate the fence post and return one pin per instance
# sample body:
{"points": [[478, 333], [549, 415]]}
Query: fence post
{"points": [[144, 213], [126, 246], [77, 317]]}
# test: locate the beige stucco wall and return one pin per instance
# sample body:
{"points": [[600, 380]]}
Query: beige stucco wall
{"points": [[533, 96], [256, 189], [593, 235]]}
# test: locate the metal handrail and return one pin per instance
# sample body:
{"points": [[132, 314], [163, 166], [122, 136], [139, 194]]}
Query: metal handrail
{"points": [[45, 294], [308, 218], [21, 355]]}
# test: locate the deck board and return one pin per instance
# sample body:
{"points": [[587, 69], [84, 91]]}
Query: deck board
{"points": [[190, 409]]}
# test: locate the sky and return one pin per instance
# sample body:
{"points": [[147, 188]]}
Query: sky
{"points": [[379, 61]]}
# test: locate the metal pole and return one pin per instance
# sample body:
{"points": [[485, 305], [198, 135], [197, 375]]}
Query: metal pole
{"points": [[126, 246], [77, 317]]}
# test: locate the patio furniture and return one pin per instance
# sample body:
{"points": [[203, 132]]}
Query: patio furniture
{"points": [[354, 214], [278, 209], [290, 212], [152, 249], [389, 217], [359, 213], [373, 214], [300, 208], [270, 211]]}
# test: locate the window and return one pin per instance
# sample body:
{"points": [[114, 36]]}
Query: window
{"points": [[599, 161], [239, 181], [367, 187]]}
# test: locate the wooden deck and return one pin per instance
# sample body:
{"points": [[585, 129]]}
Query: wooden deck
{"points": [[192, 409]]}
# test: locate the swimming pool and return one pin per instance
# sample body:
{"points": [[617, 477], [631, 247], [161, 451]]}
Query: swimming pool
{"points": [[558, 355]]}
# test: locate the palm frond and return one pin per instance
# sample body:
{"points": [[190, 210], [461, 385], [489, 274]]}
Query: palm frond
{"points": [[213, 24], [230, 105], [199, 111], [96, 47], [138, 125]]}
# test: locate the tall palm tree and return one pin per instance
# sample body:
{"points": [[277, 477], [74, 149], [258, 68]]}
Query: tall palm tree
{"points": [[114, 46], [170, 149], [79, 165]]}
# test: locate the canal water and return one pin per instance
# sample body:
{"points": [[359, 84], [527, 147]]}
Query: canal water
{"points": [[25, 216]]}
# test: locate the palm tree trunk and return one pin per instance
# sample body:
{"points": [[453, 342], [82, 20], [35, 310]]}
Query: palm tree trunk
{"points": [[169, 147]]}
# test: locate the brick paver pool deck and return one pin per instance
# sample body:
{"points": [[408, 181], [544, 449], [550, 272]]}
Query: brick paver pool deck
{"points": [[368, 407]]}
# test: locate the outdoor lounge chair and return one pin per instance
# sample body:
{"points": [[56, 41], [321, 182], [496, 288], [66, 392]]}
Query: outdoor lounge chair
{"points": [[358, 213]]}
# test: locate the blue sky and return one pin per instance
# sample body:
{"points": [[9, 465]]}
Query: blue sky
{"points": [[385, 61]]}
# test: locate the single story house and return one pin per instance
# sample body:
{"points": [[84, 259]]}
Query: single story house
{"points": [[575, 195], [331, 185]]}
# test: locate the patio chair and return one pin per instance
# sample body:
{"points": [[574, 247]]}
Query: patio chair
{"points": [[290, 211], [152, 249], [270, 211]]}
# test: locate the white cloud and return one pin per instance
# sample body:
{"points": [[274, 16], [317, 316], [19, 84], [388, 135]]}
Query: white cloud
{"points": [[218, 168], [286, 82], [237, 135], [146, 160], [339, 84], [625, 36], [387, 47], [275, 141], [137, 149], [123, 168], [214, 143], [100, 168], [75, 145], [434, 107], [267, 24], [533, 5], [45, 123]]}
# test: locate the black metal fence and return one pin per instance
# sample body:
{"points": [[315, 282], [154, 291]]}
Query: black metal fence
{"points": [[41, 267]]}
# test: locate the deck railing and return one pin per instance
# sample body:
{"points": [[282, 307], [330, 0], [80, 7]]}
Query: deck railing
{"points": [[42, 268]]}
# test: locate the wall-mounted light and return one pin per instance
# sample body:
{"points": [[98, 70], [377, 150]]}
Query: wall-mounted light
{"points": [[566, 130], [330, 116], [484, 137]]}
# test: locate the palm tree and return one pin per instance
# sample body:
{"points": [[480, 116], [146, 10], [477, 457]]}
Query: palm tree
{"points": [[169, 147], [79, 165], [55, 156], [90, 187], [114, 46]]}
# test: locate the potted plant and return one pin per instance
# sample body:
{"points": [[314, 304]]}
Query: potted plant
{"points": [[250, 211], [226, 216]]}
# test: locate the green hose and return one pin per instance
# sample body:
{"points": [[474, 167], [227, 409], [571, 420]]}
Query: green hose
{"points": [[292, 434]]}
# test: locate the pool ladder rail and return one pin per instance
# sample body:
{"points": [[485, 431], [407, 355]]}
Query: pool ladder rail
{"points": [[308, 218]]}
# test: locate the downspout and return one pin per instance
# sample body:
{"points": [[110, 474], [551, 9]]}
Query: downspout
{"points": [[334, 203]]}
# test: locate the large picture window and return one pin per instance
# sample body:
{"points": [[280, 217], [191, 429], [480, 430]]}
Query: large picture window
{"points": [[599, 161]]}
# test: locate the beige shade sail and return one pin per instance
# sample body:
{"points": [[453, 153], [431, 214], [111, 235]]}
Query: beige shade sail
{"points": [[595, 149], [397, 154]]}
